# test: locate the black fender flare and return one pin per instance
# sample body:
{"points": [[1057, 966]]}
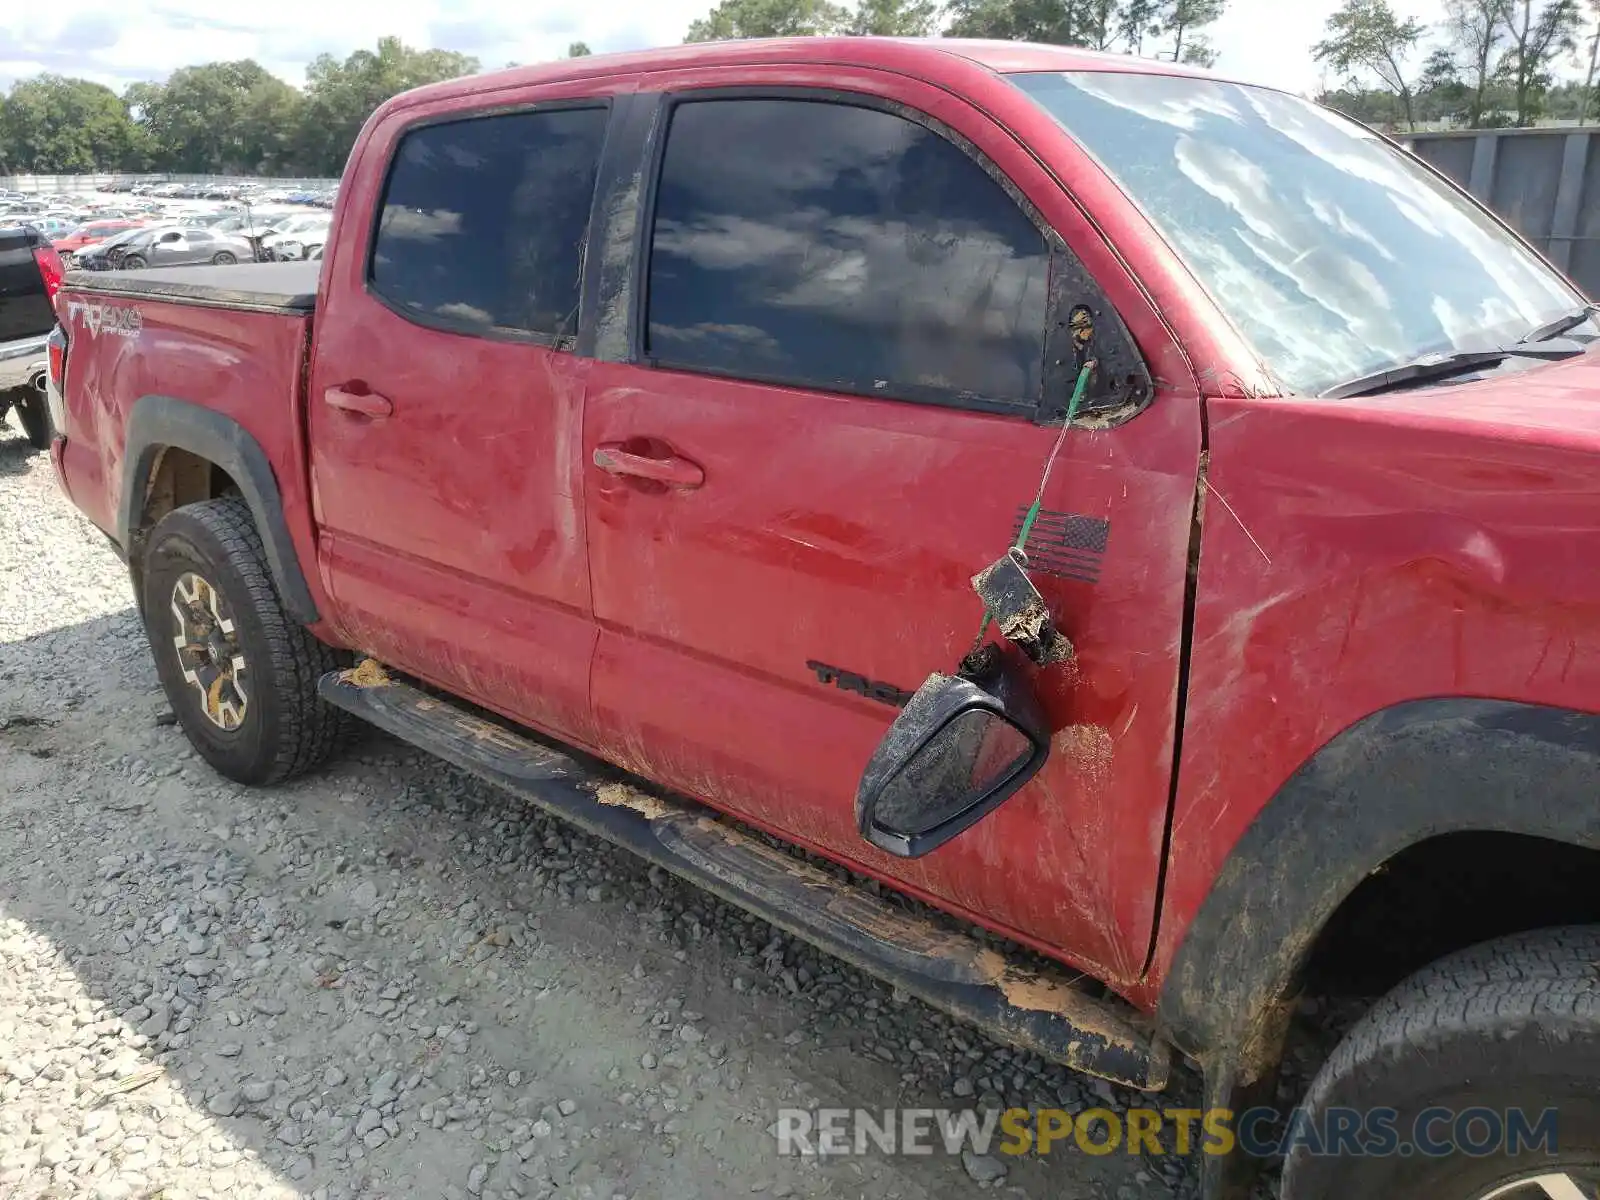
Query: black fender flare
{"points": [[158, 422], [1390, 781]]}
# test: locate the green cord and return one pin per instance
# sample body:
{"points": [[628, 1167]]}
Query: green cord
{"points": [[1038, 500], [1072, 415]]}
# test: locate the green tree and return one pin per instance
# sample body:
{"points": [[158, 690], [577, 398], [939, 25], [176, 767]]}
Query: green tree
{"points": [[1474, 32], [768, 18], [1061, 22], [1534, 40], [1140, 19], [1184, 19], [55, 125], [340, 96], [1587, 106], [1441, 91], [269, 127], [893, 18], [579, 50], [224, 117], [1366, 35]]}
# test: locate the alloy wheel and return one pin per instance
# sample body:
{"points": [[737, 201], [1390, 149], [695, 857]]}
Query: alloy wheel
{"points": [[208, 651]]}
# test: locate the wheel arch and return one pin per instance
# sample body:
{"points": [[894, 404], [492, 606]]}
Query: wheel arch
{"points": [[173, 453], [1400, 778]]}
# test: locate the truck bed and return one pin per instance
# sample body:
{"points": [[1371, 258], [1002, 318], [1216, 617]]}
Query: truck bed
{"points": [[257, 287]]}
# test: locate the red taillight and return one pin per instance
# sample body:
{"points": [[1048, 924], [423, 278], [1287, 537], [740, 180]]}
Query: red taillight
{"points": [[58, 360], [50, 269]]}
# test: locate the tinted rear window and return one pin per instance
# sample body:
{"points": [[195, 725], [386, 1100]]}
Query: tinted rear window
{"points": [[484, 221]]}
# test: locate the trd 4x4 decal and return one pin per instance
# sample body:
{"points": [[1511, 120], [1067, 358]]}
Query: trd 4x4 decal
{"points": [[115, 319]]}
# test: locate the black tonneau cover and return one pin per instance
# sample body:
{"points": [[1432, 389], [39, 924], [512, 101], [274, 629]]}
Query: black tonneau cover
{"points": [[262, 287]]}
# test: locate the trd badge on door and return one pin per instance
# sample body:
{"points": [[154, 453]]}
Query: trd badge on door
{"points": [[849, 681]]}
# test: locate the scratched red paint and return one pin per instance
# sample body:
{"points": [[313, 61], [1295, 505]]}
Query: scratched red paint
{"points": [[1396, 548]]}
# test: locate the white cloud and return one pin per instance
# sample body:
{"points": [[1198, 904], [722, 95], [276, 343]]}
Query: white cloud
{"points": [[148, 39], [1262, 41]]}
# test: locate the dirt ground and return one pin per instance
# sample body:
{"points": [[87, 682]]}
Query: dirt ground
{"points": [[389, 979]]}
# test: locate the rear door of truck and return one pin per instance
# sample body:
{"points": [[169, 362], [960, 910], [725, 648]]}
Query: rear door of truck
{"points": [[446, 403]]}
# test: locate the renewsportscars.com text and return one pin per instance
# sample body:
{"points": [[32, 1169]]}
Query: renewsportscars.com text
{"points": [[1259, 1132]]}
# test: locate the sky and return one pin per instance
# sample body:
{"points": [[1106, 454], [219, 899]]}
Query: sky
{"points": [[1263, 41]]}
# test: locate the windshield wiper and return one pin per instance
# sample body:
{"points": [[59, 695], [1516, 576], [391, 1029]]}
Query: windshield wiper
{"points": [[1438, 366], [1563, 323]]}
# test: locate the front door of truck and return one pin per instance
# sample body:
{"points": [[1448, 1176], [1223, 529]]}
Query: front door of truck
{"points": [[830, 422], [444, 403]]}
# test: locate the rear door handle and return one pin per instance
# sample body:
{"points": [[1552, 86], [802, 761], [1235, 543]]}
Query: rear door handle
{"points": [[367, 404], [672, 470]]}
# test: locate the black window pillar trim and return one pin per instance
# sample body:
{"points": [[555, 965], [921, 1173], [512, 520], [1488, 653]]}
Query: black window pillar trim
{"points": [[607, 295], [1122, 386]]}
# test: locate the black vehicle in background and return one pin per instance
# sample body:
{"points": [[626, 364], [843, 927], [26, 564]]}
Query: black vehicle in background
{"points": [[30, 276]]}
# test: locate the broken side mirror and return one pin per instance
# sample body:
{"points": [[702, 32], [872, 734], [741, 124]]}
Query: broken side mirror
{"points": [[958, 749]]}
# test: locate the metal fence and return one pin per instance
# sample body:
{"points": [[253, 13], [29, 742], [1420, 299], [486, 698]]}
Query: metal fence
{"points": [[1544, 182]]}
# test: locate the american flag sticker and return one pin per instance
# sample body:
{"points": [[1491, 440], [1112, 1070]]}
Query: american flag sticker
{"points": [[1064, 545]]}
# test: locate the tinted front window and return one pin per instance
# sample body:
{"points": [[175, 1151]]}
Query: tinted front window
{"points": [[484, 221], [1333, 252], [843, 248]]}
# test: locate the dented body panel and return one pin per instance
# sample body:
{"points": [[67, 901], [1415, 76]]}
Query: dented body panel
{"points": [[1252, 585], [1432, 543]]}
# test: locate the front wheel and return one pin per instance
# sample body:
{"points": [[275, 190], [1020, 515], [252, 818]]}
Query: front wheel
{"points": [[134, 262], [1486, 1068], [240, 673], [224, 258]]}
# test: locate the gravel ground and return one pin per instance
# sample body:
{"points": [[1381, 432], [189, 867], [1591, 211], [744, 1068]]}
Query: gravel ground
{"points": [[389, 979]]}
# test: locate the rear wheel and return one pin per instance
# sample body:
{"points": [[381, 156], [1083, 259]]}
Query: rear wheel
{"points": [[1499, 1033], [240, 673], [34, 417], [224, 258]]}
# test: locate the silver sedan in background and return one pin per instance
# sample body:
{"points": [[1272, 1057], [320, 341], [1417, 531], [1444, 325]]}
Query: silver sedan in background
{"points": [[175, 246]]}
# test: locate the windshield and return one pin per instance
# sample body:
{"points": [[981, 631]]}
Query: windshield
{"points": [[1333, 253]]}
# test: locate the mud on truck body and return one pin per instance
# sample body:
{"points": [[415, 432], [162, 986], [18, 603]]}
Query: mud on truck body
{"points": [[1140, 514]]}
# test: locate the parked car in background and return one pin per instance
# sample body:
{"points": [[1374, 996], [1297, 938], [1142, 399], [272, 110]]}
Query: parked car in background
{"points": [[53, 227], [30, 275], [177, 246], [303, 228], [93, 233], [94, 257], [251, 222]]}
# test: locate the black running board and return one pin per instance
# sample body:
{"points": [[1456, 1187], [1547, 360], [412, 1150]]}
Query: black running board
{"points": [[1039, 1010]]}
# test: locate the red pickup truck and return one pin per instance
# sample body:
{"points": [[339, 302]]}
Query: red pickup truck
{"points": [[1141, 514]]}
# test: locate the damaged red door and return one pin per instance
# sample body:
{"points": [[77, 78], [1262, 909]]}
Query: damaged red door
{"points": [[845, 315]]}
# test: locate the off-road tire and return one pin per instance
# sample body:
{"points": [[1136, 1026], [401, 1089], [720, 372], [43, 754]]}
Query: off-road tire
{"points": [[34, 417], [1511, 1023], [285, 729]]}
